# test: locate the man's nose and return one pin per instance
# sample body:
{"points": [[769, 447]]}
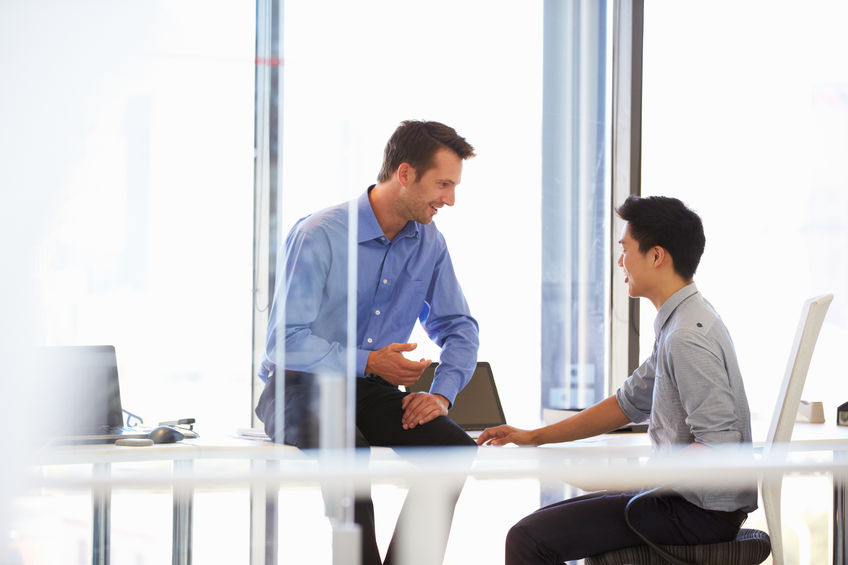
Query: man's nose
{"points": [[621, 260], [449, 196]]}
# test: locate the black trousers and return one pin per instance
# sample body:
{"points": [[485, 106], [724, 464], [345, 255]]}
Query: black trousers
{"points": [[588, 525], [378, 423]]}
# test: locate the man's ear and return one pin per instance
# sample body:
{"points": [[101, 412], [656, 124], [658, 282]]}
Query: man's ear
{"points": [[658, 255], [405, 174]]}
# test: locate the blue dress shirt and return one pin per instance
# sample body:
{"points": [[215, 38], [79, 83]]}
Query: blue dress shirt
{"points": [[410, 277]]}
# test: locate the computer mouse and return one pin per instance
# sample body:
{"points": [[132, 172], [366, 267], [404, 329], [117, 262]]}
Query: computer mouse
{"points": [[165, 434]]}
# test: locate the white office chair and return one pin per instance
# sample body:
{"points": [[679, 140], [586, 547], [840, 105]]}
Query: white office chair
{"points": [[788, 400], [751, 546]]}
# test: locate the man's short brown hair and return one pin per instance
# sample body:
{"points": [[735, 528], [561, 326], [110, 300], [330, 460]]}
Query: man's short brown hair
{"points": [[416, 142]]}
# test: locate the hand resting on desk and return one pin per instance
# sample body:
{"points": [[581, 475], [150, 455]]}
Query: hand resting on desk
{"points": [[505, 434], [601, 418]]}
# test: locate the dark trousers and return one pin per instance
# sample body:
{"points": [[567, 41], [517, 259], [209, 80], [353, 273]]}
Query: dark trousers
{"points": [[594, 523], [378, 423]]}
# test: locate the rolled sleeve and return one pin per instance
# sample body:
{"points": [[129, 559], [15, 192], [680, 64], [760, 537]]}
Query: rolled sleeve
{"points": [[635, 397]]}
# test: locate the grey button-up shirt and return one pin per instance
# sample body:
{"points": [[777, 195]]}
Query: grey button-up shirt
{"points": [[691, 390]]}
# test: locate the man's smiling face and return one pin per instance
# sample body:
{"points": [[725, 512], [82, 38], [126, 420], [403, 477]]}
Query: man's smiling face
{"points": [[422, 198], [637, 266]]}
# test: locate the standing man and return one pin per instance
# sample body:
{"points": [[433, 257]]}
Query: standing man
{"points": [[404, 273], [689, 389]]}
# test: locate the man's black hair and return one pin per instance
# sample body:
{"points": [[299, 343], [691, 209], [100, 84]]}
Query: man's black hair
{"points": [[667, 222]]}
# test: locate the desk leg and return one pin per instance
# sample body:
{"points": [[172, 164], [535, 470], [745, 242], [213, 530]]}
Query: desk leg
{"points": [[263, 515], [101, 502], [840, 549], [421, 528], [347, 543], [183, 503]]}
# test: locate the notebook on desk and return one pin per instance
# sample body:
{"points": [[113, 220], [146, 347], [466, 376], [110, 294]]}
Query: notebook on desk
{"points": [[477, 406], [83, 404]]}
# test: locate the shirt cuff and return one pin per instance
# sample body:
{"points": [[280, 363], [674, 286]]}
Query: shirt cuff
{"points": [[361, 361], [447, 387], [265, 370], [636, 416]]}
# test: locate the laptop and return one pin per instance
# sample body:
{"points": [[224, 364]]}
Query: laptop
{"points": [[82, 397], [477, 406]]}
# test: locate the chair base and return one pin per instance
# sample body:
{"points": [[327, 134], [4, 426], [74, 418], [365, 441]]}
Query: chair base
{"points": [[749, 548]]}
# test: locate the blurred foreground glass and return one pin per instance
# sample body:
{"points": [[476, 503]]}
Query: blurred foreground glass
{"points": [[145, 240]]}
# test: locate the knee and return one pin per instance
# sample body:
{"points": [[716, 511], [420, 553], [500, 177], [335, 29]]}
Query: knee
{"points": [[452, 434], [464, 440], [515, 536], [519, 544]]}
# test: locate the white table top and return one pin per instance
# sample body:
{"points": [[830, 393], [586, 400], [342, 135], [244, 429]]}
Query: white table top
{"points": [[804, 436]]}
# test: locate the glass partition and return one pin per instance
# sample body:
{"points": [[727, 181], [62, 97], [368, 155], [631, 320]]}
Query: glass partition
{"points": [[139, 146], [126, 166], [132, 170], [538, 99]]}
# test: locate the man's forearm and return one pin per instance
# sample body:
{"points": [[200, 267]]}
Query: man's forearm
{"points": [[603, 417], [310, 353]]}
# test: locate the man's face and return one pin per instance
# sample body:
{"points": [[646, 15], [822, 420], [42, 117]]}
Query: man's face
{"points": [[421, 199], [638, 267]]}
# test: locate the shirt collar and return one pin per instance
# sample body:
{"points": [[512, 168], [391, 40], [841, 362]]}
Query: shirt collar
{"points": [[369, 228], [409, 230], [671, 305]]}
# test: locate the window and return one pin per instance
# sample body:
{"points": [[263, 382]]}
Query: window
{"points": [[750, 128], [351, 79], [575, 205]]}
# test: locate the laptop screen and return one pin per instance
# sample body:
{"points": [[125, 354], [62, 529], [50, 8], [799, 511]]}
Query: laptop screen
{"points": [[83, 386], [477, 406]]}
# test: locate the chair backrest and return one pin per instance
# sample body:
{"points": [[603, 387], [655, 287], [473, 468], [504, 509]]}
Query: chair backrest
{"points": [[789, 397], [786, 408]]}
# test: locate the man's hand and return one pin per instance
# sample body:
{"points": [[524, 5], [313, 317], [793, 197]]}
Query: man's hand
{"points": [[421, 407], [503, 435], [390, 364]]}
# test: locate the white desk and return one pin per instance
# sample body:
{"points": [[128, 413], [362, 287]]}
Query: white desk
{"points": [[182, 455], [607, 457]]}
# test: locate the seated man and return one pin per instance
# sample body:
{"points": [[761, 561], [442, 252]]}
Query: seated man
{"points": [[404, 273], [689, 389]]}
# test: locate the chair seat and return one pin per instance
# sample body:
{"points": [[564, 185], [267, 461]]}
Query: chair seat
{"points": [[749, 548]]}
